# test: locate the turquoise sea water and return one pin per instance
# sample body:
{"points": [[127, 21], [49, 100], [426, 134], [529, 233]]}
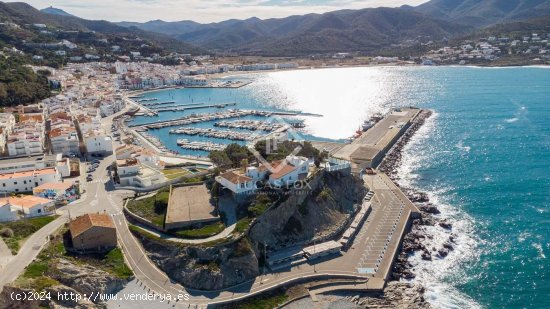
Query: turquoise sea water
{"points": [[484, 158]]}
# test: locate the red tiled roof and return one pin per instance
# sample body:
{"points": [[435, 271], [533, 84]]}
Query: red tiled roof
{"points": [[289, 168], [235, 178], [85, 222]]}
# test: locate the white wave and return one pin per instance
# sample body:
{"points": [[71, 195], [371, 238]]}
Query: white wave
{"points": [[539, 249], [511, 120], [435, 275], [523, 236], [460, 145]]}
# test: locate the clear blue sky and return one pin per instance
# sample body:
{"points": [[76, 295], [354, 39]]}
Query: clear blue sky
{"points": [[205, 10]]}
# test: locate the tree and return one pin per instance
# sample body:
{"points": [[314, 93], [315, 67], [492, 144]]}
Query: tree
{"points": [[220, 158]]}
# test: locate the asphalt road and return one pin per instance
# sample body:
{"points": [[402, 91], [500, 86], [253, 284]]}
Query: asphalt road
{"points": [[99, 197]]}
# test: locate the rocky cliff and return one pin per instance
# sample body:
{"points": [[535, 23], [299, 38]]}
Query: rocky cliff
{"points": [[319, 210], [73, 278], [205, 268]]}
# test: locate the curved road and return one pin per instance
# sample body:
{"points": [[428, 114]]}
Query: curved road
{"points": [[100, 198]]}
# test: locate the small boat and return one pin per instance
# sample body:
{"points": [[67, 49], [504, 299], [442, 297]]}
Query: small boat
{"points": [[367, 124]]}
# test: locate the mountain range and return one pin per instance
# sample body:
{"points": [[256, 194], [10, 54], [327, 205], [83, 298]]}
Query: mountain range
{"points": [[484, 12], [365, 30], [22, 14]]}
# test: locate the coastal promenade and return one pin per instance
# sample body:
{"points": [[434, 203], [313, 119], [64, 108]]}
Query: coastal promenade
{"points": [[369, 259], [369, 149]]}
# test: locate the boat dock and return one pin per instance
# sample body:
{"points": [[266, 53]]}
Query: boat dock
{"points": [[148, 111], [368, 149], [222, 134], [183, 108], [196, 118], [254, 125], [158, 103], [205, 146]]}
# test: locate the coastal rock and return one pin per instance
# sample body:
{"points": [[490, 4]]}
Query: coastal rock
{"points": [[426, 256], [445, 224], [419, 197], [442, 252], [200, 268], [430, 208], [67, 302], [302, 217], [6, 299], [448, 246], [86, 279], [396, 295]]}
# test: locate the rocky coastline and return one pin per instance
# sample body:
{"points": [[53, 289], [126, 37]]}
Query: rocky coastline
{"points": [[414, 241]]}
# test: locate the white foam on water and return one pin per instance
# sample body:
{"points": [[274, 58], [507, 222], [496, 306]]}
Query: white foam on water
{"points": [[511, 120], [538, 246], [435, 275]]}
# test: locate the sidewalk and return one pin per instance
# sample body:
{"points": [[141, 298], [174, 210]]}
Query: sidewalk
{"points": [[5, 254]]}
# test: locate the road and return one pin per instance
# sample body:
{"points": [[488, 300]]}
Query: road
{"points": [[390, 207], [99, 198]]}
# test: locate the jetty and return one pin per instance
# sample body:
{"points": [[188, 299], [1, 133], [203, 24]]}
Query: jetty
{"points": [[222, 134], [254, 125], [197, 118], [183, 108], [158, 103], [205, 146]]}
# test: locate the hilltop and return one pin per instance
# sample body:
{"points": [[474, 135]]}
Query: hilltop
{"points": [[485, 12], [367, 31], [20, 15]]}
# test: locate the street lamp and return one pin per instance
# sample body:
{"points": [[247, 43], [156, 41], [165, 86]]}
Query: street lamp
{"points": [[265, 261], [314, 249]]}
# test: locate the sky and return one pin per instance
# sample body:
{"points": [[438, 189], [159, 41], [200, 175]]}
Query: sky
{"points": [[204, 11]]}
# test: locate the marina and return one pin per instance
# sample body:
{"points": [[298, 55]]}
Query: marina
{"points": [[158, 103], [205, 146], [178, 108], [196, 118], [254, 125], [222, 134]]}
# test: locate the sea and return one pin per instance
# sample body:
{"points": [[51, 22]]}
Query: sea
{"points": [[483, 158]]}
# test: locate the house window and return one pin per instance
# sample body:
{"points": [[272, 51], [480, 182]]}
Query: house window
{"points": [[24, 182], [39, 210], [15, 182], [242, 185]]}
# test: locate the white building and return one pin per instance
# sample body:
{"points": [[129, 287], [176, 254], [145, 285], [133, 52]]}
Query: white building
{"points": [[281, 173], [132, 173], [27, 206], [26, 143], [238, 183], [27, 180], [98, 143]]}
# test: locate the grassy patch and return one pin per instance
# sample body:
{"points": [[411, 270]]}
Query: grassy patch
{"points": [[36, 274], [174, 173], [262, 302], [36, 269], [242, 248], [23, 229], [242, 225], [114, 260], [324, 195], [152, 208], [203, 232]]}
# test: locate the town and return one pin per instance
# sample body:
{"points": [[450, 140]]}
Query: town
{"points": [[74, 158]]}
